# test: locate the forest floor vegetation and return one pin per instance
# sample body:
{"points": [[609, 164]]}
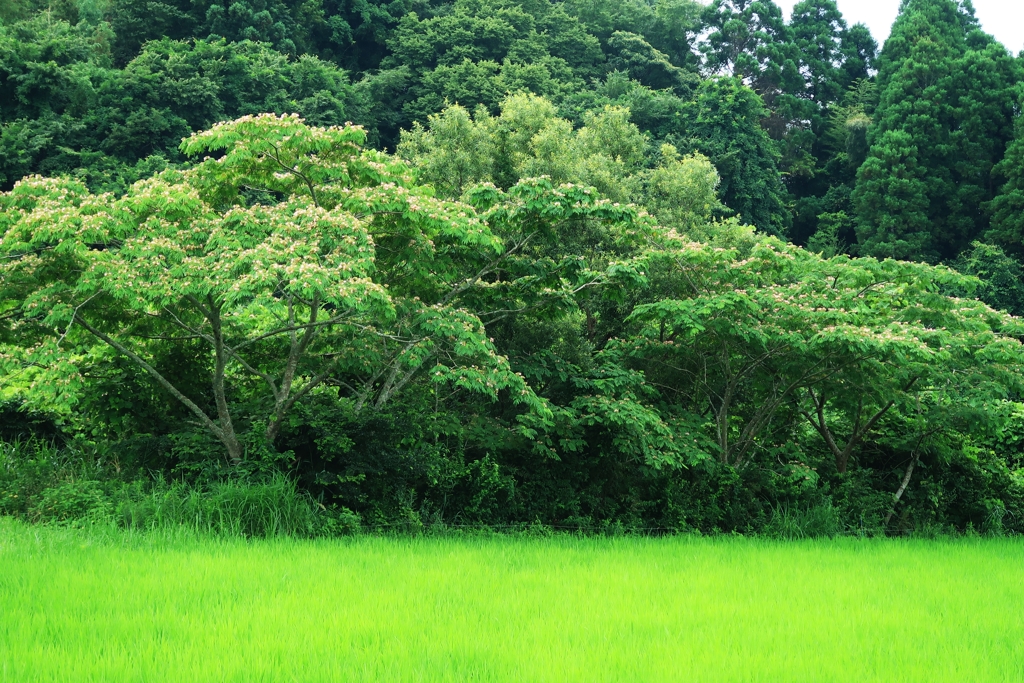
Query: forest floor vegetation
{"points": [[90, 604]]}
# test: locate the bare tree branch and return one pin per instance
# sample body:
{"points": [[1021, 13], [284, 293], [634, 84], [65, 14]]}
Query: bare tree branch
{"points": [[155, 374]]}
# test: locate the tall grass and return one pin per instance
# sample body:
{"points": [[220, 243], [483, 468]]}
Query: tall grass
{"points": [[819, 521], [42, 483], [231, 508], [174, 606]]}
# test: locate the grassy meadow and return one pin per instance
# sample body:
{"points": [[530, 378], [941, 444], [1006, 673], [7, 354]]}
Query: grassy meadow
{"points": [[111, 607]]}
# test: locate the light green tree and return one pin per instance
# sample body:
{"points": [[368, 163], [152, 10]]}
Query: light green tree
{"points": [[842, 342], [343, 270], [528, 139]]}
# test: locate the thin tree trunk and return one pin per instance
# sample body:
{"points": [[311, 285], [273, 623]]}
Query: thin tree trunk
{"points": [[230, 441], [722, 425], [903, 486], [229, 438], [842, 456], [281, 411]]}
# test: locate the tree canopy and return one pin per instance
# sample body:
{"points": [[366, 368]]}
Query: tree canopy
{"points": [[943, 122], [649, 264]]}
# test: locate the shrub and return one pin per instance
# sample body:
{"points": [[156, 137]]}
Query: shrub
{"points": [[239, 507], [73, 501], [818, 521]]}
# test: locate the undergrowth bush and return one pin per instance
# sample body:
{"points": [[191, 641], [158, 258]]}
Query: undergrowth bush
{"points": [[42, 483], [75, 484], [28, 468], [818, 521], [274, 507]]}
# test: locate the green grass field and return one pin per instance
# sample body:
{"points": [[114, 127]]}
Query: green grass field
{"points": [[85, 606]]}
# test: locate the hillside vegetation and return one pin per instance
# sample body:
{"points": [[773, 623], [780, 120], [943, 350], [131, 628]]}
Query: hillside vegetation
{"points": [[643, 265]]}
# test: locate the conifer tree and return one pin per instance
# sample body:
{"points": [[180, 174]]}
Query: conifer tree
{"points": [[818, 30], [943, 122], [1007, 209], [749, 40], [832, 57], [728, 130]]}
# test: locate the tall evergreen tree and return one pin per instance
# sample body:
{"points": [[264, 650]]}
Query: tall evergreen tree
{"points": [[818, 30], [860, 51], [831, 57], [1007, 209], [943, 122], [727, 129], [750, 40]]}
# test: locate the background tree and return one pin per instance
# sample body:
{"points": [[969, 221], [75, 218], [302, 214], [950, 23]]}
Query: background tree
{"points": [[748, 40], [832, 58], [474, 55], [670, 26], [1007, 207], [726, 127], [529, 139], [1001, 276], [941, 126], [110, 127]]}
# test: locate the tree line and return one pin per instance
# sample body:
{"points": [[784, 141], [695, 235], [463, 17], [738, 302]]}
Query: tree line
{"points": [[585, 264]]}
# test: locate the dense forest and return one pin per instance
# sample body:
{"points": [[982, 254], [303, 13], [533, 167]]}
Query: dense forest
{"points": [[642, 265]]}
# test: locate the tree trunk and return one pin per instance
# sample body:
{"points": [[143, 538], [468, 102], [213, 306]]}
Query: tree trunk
{"points": [[224, 431], [234, 447], [227, 427], [903, 486]]}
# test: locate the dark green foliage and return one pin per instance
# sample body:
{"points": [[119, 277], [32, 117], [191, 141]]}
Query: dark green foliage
{"points": [[1007, 208], [661, 113], [66, 111], [30, 467], [137, 21], [475, 53], [1002, 276], [18, 423], [819, 33], [749, 40], [352, 33], [917, 163], [943, 123], [643, 63], [821, 152], [726, 127], [670, 26], [860, 51]]}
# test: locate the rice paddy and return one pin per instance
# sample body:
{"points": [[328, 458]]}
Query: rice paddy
{"points": [[88, 606]]}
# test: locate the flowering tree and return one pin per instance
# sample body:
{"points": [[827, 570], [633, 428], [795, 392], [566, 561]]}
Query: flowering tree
{"points": [[841, 342], [293, 259]]}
